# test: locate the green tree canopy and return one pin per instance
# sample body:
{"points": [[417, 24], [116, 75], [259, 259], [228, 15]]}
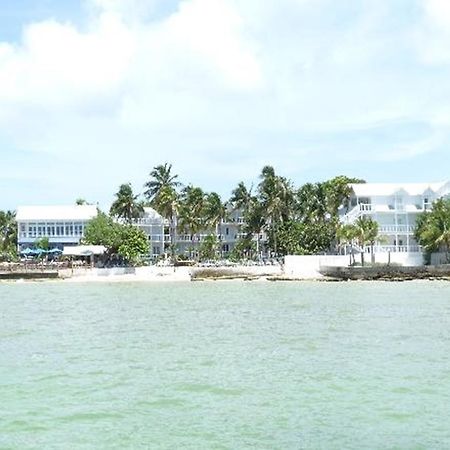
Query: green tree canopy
{"points": [[433, 228]]}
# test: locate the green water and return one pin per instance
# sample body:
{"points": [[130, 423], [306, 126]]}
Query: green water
{"points": [[232, 365]]}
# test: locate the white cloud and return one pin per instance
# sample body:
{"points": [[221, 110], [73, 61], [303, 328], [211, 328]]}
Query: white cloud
{"points": [[433, 38], [209, 80]]}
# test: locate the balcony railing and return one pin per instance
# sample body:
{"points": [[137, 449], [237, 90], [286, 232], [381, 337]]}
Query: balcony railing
{"points": [[396, 228], [393, 248]]}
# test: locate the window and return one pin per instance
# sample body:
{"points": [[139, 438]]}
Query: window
{"points": [[78, 228], [32, 230], [69, 229], [59, 229], [41, 229]]}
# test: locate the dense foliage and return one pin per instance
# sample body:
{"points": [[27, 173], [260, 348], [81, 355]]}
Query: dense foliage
{"points": [[125, 240], [433, 228], [8, 235]]}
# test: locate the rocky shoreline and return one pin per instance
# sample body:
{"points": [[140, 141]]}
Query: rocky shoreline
{"points": [[388, 273]]}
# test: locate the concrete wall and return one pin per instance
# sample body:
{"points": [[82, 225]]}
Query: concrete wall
{"points": [[308, 266], [401, 258], [438, 258]]}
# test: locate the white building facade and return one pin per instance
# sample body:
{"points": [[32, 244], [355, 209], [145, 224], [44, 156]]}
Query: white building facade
{"points": [[62, 225], [158, 232], [395, 207]]}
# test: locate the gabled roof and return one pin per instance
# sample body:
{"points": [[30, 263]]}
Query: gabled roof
{"points": [[54, 213], [386, 189]]}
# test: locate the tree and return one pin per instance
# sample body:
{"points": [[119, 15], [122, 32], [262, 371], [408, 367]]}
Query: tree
{"points": [[346, 235], [241, 197], [214, 211], [102, 230], [366, 233], [126, 206], [133, 243], [433, 228], [8, 234], [192, 206], [126, 240], [338, 191], [160, 177], [209, 247], [277, 198], [302, 238], [255, 221], [163, 197]]}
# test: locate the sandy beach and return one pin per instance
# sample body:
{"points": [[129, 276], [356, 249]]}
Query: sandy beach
{"points": [[159, 274]]}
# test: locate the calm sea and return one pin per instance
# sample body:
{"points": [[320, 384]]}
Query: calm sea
{"points": [[225, 365]]}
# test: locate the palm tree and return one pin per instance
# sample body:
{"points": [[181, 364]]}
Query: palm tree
{"points": [[346, 235], [192, 206], [214, 211], [161, 177], [126, 206], [312, 203], [241, 197], [276, 195], [366, 233], [164, 198], [254, 222]]}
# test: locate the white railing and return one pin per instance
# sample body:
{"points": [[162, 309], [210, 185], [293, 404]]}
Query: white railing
{"points": [[365, 207], [396, 228], [393, 248]]}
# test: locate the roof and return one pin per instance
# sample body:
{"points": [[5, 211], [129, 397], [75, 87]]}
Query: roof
{"points": [[386, 189], [67, 212], [151, 213], [84, 250]]}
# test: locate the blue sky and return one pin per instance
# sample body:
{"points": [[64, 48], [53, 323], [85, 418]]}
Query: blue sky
{"points": [[94, 93]]}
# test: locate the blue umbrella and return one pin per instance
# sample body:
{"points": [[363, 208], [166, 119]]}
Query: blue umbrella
{"points": [[29, 252], [54, 251]]}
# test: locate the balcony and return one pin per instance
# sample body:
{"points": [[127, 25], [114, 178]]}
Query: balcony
{"points": [[396, 229]]}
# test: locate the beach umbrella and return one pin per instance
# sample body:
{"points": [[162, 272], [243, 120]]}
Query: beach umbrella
{"points": [[55, 251], [28, 252]]}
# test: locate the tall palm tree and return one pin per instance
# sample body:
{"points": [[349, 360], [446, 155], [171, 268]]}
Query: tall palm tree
{"points": [[214, 211], [126, 206], [163, 197], [161, 177], [241, 197], [192, 206], [276, 195]]}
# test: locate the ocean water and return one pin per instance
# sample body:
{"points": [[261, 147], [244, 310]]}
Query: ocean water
{"points": [[225, 365]]}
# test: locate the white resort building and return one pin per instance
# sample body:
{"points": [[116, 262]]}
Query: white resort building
{"points": [[395, 208], [158, 232], [62, 225]]}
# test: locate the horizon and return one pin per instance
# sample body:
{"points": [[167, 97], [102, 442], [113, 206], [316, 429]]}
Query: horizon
{"points": [[95, 93]]}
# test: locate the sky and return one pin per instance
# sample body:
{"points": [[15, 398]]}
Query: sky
{"points": [[95, 93]]}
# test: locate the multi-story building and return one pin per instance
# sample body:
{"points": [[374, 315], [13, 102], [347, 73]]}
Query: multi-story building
{"points": [[62, 225], [158, 232], [395, 208]]}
